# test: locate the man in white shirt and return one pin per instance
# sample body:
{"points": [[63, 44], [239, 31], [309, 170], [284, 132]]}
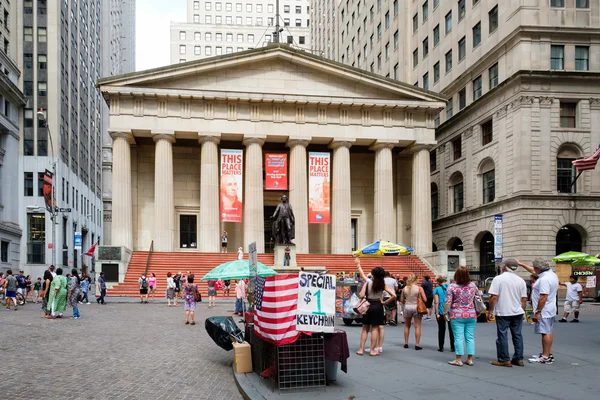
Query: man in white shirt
{"points": [[391, 308], [573, 300], [507, 302], [543, 296]]}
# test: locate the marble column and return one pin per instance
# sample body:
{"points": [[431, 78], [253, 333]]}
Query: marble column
{"points": [[254, 222], [298, 190], [384, 221], [164, 211], [341, 218], [421, 200], [209, 237], [122, 214]]}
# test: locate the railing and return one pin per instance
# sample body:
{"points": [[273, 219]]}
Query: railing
{"points": [[148, 259]]}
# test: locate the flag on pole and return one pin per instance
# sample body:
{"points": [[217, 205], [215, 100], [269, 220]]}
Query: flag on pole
{"points": [[90, 252], [588, 163]]}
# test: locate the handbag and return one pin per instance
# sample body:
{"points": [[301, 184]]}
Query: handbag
{"points": [[362, 307], [421, 307], [480, 307], [197, 296]]}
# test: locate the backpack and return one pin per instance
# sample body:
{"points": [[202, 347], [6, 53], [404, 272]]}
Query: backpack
{"points": [[144, 283]]}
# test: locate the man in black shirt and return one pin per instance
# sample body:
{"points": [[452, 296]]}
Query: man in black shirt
{"points": [[428, 289], [48, 276]]}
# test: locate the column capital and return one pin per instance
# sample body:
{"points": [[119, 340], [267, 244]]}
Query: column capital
{"points": [[293, 142], [337, 143], [417, 147], [123, 134], [209, 139], [594, 103], [380, 145], [163, 136], [253, 140]]}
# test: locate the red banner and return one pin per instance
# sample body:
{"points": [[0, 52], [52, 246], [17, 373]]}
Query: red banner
{"points": [[47, 190], [276, 172], [231, 185], [318, 188]]}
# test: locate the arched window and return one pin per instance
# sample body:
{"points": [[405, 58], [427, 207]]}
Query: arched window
{"points": [[487, 178], [565, 170], [434, 202], [455, 244], [486, 254], [457, 193], [568, 239]]}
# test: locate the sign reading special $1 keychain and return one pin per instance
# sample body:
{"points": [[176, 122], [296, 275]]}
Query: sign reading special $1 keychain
{"points": [[316, 302]]}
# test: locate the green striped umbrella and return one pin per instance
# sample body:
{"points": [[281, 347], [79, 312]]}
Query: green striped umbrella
{"points": [[237, 269]]}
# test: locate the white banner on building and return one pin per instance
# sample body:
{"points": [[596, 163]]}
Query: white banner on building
{"points": [[498, 238], [316, 302]]}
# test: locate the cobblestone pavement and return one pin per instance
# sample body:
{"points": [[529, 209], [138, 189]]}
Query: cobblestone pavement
{"points": [[116, 351]]}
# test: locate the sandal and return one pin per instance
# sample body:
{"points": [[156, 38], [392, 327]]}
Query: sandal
{"points": [[193, 323], [469, 363], [373, 354], [187, 322], [359, 353], [456, 363]]}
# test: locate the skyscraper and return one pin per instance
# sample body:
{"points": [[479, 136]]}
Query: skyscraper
{"points": [[224, 27], [118, 57]]}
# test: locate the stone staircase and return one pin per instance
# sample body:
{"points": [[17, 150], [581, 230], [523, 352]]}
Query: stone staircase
{"points": [[201, 263]]}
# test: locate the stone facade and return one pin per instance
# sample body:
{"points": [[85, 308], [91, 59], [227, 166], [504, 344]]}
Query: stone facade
{"points": [[269, 99]]}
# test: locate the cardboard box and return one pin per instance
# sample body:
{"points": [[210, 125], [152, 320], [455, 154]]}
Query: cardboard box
{"points": [[242, 360]]}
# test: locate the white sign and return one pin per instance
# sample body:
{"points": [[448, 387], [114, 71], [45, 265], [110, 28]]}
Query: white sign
{"points": [[78, 240], [498, 238], [590, 282], [316, 302]]}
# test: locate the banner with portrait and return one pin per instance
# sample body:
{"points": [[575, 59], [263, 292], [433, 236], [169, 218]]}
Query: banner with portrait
{"points": [[276, 171], [47, 190], [231, 185], [318, 188]]}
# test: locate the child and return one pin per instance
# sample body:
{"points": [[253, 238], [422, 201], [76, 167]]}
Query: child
{"points": [[573, 300], [85, 284], [36, 290]]}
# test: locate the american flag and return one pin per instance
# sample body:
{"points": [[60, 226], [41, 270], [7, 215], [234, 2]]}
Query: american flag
{"points": [[588, 163], [275, 306]]}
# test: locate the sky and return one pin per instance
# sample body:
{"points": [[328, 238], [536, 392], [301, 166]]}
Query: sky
{"points": [[152, 30]]}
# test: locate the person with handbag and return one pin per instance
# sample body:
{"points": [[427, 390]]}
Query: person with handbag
{"points": [[460, 311], [413, 299], [371, 296], [191, 296]]}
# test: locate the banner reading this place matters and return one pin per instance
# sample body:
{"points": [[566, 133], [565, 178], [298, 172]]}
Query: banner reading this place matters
{"points": [[318, 188], [231, 185], [276, 171]]}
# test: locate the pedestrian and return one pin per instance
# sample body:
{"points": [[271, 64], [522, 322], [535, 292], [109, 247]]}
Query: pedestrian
{"points": [[190, 290], [10, 289], [240, 295], [152, 284], [177, 281], [543, 294], [410, 298], [427, 286], [74, 290], [143, 284], [212, 292], [508, 300], [287, 255], [227, 287], [401, 285], [460, 298], [2, 286], [48, 277], [101, 288], [224, 242], [22, 285], [373, 290], [171, 290], [36, 290], [439, 299], [240, 253], [85, 286], [392, 308], [573, 300], [29, 288], [58, 295]]}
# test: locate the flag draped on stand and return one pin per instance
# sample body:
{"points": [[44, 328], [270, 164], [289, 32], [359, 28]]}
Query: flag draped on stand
{"points": [[275, 306], [589, 163]]}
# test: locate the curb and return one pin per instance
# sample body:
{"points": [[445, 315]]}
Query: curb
{"points": [[245, 387]]}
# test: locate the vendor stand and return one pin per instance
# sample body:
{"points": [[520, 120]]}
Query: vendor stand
{"points": [[347, 286], [587, 270]]}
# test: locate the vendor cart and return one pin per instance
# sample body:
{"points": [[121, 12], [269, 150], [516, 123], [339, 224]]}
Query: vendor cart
{"points": [[344, 290], [589, 278]]}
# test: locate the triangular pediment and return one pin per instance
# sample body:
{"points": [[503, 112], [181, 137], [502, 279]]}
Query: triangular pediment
{"points": [[275, 69]]}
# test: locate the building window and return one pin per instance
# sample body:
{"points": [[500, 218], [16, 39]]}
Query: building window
{"points": [[449, 61], [415, 22], [4, 251], [182, 35], [395, 7], [457, 148], [436, 35], [426, 81], [434, 202], [207, 51], [42, 35], [290, 39], [28, 34], [182, 49], [396, 71], [462, 98], [432, 161], [229, 37], [28, 184], [251, 38], [28, 61], [28, 88], [448, 22], [425, 11], [477, 90], [489, 186], [557, 3], [493, 18], [379, 32], [487, 132], [40, 184], [582, 55], [302, 39], [436, 120], [197, 36], [557, 56], [396, 40], [196, 19], [28, 118], [379, 61], [462, 10], [219, 50], [387, 51], [387, 20], [449, 109], [493, 73], [477, 34], [208, 36], [462, 48], [565, 175], [436, 72], [42, 89], [568, 114], [197, 50], [415, 58], [36, 243], [425, 47], [457, 193], [582, 4]]}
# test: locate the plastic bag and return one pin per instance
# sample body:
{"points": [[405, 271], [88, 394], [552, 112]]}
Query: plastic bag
{"points": [[223, 331], [351, 303]]}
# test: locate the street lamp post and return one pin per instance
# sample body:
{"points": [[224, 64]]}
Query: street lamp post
{"points": [[41, 114]]}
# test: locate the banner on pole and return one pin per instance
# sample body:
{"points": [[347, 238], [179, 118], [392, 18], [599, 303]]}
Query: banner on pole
{"points": [[316, 302], [276, 171], [78, 241], [498, 238], [47, 190], [231, 185], [318, 188]]}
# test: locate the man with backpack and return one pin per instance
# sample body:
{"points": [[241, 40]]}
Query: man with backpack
{"points": [[143, 281]]}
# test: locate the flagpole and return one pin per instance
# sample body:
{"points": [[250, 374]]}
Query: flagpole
{"points": [[575, 180]]}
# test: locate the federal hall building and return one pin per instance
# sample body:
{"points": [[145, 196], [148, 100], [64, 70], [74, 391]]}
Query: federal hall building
{"points": [[169, 125]]}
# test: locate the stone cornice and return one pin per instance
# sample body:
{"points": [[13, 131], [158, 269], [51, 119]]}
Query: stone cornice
{"points": [[595, 104], [253, 140], [11, 228], [546, 102]]}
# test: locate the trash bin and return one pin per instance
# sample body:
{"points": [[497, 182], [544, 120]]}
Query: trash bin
{"points": [[331, 370]]}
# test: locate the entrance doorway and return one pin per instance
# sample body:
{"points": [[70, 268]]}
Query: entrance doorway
{"points": [[188, 231], [269, 242]]}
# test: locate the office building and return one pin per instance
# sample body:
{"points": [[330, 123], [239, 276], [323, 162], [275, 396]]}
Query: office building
{"points": [[522, 106], [224, 27]]}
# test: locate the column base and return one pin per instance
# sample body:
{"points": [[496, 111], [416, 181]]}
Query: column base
{"points": [[280, 255]]}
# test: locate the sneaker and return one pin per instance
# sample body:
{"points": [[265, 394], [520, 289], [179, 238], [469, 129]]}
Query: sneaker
{"points": [[575, 320], [542, 360], [427, 319], [88, 303], [563, 320]]}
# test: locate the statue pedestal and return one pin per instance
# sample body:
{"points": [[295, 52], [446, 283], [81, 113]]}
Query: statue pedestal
{"points": [[280, 253]]}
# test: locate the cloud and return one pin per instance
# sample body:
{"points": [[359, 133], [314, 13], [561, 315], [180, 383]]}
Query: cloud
{"points": [[153, 20]]}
